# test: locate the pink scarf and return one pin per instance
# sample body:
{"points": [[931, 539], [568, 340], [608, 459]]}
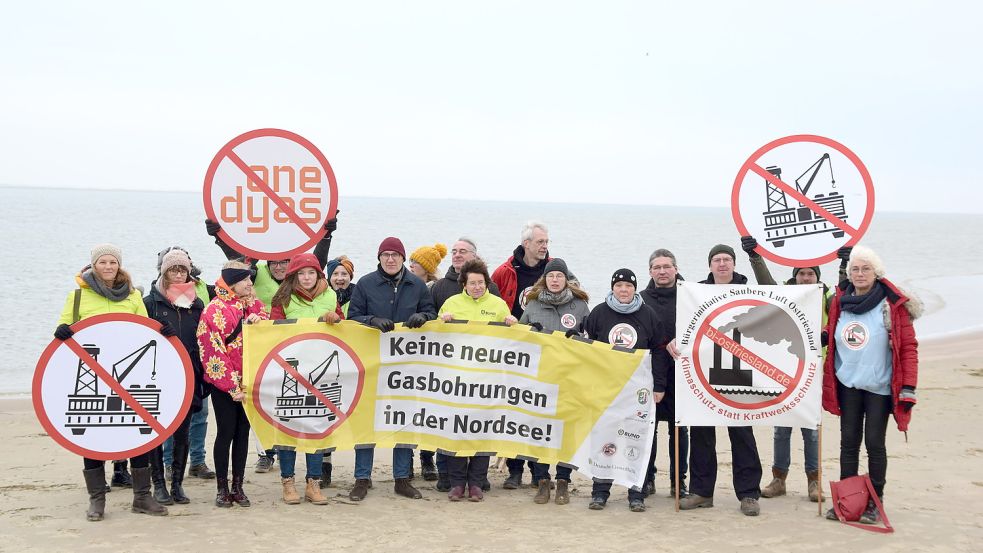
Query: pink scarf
{"points": [[181, 295]]}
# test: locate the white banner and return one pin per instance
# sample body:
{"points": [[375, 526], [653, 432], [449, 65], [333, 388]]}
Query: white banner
{"points": [[749, 355]]}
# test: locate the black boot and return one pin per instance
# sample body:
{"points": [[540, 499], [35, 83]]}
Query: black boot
{"points": [[325, 474], [160, 483], [237, 494], [177, 474], [443, 482], [95, 483], [121, 478], [223, 498], [143, 502]]}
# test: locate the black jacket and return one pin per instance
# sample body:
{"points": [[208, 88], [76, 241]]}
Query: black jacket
{"points": [[607, 325], [663, 302], [395, 298], [185, 323], [737, 278], [449, 286]]}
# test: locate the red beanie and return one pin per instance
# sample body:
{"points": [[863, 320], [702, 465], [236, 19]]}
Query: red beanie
{"points": [[391, 244], [298, 262]]}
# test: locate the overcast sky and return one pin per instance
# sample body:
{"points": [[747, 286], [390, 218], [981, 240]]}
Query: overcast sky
{"points": [[615, 102]]}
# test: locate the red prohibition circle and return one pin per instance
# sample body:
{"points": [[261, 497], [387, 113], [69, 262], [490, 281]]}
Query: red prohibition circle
{"points": [[276, 351], [287, 135], [745, 168], [42, 366], [706, 385]]}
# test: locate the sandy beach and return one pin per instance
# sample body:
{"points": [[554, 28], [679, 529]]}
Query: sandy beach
{"points": [[934, 497]]}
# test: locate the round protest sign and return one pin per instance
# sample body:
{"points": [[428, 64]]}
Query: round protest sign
{"points": [[308, 385], [272, 191], [117, 388], [803, 197]]}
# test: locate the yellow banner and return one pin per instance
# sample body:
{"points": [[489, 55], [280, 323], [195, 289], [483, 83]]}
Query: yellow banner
{"points": [[461, 388]]}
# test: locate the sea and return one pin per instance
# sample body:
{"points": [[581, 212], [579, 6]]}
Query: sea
{"points": [[46, 235]]}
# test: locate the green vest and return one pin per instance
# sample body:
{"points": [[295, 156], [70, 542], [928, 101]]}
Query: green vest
{"points": [[265, 287], [201, 289], [299, 308], [344, 309]]}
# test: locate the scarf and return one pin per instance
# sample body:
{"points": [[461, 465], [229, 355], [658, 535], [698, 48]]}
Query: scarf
{"points": [[319, 288], [344, 294], [560, 298], [117, 293], [180, 295], [853, 303], [624, 308]]}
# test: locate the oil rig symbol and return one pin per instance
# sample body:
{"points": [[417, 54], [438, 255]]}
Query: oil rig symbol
{"points": [[291, 404], [783, 222], [87, 408]]}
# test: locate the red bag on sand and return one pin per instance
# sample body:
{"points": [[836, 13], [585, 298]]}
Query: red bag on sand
{"points": [[850, 498]]}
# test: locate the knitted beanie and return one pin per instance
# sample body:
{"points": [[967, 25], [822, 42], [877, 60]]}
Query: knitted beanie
{"points": [[429, 257], [391, 244], [721, 248], [106, 249], [624, 275], [175, 258], [557, 264], [796, 270], [341, 261], [301, 261]]}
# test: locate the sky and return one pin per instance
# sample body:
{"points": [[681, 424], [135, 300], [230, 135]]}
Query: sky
{"points": [[597, 102]]}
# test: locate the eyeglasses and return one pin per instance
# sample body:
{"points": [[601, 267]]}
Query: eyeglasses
{"points": [[278, 263], [177, 270], [722, 259], [389, 255], [462, 252], [861, 270]]}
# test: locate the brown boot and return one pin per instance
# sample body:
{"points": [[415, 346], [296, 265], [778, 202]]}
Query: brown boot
{"points": [[290, 495], [543, 495], [813, 478], [360, 489], [313, 492], [95, 483], [562, 494], [405, 489], [777, 485], [143, 501]]}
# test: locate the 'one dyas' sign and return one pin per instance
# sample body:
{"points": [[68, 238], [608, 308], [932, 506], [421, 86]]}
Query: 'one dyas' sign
{"points": [[272, 191]]}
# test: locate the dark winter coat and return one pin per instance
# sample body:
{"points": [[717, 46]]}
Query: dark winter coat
{"points": [[737, 278], [395, 298], [639, 330], [184, 321], [663, 302], [449, 286]]}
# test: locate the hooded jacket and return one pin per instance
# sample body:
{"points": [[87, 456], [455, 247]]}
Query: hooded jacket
{"points": [[450, 285], [900, 310], [185, 322], [514, 275], [486, 308], [221, 361]]}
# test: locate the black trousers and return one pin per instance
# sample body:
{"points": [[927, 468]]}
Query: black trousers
{"points": [[467, 471], [683, 453], [232, 432], [138, 462], [863, 415], [744, 456]]}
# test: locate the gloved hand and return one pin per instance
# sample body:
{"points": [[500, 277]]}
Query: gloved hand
{"points": [[63, 332], [748, 243], [844, 255], [416, 320], [824, 338], [907, 398], [167, 330], [571, 332], [536, 326], [385, 325], [211, 227], [332, 224]]}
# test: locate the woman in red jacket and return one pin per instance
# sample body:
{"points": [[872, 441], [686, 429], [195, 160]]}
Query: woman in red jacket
{"points": [[871, 367]]}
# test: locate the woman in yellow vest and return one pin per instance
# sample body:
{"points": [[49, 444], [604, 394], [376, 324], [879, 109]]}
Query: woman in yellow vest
{"points": [[104, 287], [474, 303], [304, 293]]}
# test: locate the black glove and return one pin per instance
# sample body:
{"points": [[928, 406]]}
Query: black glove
{"points": [[385, 325], [536, 326], [844, 255], [748, 243], [211, 227], [907, 398], [824, 338], [416, 320], [167, 330], [63, 332], [572, 332], [332, 224]]}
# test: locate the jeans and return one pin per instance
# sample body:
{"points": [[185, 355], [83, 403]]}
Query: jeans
{"points": [[402, 461], [541, 471], [288, 458], [744, 457], [783, 453], [863, 415], [196, 436]]}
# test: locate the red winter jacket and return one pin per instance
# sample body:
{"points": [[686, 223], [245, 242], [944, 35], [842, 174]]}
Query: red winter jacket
{"points": [[904, 349], [506, 279]]}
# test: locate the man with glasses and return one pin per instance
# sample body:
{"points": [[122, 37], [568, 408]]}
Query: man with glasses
{"points": [[462, 251], [391, 294], [514, 278]]}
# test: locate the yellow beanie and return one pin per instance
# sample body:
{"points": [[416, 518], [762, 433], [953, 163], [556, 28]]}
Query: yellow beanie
{"points": [[429, 257]]}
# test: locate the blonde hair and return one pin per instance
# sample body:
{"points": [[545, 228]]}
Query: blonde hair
{"points": [[234, 264]]}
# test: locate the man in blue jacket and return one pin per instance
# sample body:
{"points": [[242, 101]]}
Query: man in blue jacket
{"points": [[390, 295]]}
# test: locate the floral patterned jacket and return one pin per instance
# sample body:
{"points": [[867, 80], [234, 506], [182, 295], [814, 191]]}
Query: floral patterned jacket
{"points": [[223, 362]]}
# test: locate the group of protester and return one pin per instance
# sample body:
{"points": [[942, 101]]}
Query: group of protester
{"points": [[865, 380]]}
